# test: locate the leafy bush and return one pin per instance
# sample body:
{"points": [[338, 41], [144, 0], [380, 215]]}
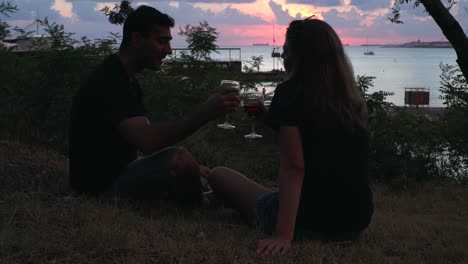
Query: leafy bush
{"points": [[454, 89], [37, 91], [406, 147]]}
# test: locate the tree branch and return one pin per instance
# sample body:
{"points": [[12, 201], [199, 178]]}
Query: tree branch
{"points": [[6, 8], [451, 30]]}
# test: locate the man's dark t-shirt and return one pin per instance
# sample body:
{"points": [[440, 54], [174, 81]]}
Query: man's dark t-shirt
{"points": [[335, 193], [98, 152]]}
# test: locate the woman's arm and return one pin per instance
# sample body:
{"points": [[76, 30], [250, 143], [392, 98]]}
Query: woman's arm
{"points": [[290, 180], [291, 176]]}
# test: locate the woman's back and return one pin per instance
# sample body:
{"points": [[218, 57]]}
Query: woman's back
{"points": [[335, 193]]}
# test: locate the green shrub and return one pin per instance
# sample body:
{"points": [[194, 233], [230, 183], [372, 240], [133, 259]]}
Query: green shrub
{"points": [[454, 90], [406, 147]]}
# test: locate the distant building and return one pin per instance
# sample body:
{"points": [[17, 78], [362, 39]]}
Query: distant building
{"points": [[7, 45], [28, 43], [441, 44]]}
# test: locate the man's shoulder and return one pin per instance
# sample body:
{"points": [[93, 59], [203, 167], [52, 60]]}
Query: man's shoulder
{"points": [[109, 67], [107, 74]]}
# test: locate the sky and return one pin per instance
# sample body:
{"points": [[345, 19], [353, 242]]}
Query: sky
{"points": [[244, 22]]}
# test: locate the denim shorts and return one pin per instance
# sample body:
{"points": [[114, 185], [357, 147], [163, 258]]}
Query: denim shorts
{"points": [[266, 218], [266, 212]]}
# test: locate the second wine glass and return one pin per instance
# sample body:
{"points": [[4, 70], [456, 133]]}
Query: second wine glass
{"points": [[252, 104]]}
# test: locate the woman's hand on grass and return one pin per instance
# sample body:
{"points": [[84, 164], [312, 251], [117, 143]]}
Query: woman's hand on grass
{"points": [[273, 246]]}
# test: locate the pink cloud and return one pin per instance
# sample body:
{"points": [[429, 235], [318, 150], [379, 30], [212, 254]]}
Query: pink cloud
{"points": [[248, 34]]}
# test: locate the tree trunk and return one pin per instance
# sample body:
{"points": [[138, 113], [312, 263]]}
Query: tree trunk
{"points": [[452, 31]]}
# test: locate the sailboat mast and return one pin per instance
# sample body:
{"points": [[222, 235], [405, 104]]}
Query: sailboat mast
{"points": [[274, 45], [367, 43], [274, 41], [37, 22]]}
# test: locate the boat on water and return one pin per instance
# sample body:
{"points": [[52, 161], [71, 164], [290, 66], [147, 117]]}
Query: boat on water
{"points": [[275, 53], [368, 52], [261, 44]]}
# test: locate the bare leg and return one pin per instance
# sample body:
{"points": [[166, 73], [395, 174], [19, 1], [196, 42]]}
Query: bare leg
{"points": [[236, 190]]}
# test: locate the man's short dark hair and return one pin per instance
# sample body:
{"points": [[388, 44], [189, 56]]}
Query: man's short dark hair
{"points": [[143, 20]]}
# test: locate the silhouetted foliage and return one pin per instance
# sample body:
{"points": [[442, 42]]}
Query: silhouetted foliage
{"points": [[60, 39], [201, 39], [254, 64], [6, 8], [454, 89], [119, 13]]}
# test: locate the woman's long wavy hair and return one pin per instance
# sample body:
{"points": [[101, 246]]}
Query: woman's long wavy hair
{"points": [[315, 55]]}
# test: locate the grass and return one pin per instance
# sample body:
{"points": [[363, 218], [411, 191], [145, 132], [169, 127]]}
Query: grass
{"points": [[41, 223]]}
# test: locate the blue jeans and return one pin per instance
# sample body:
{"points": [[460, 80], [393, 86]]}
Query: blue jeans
{"points": [[148, 177]]}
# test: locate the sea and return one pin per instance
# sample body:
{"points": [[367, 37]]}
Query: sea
{"points": [[394, 68]]}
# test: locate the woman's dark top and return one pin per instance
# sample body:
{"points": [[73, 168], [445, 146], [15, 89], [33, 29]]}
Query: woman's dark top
{"points": [[335, 193]]}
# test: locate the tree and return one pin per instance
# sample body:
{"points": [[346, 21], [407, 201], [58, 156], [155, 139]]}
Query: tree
{"points": [[61, 40], [254, 64], [5, 9], [201, 39], [454, 90], [119, 13], [446, 22]]}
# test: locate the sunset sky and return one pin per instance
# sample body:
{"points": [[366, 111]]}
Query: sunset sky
{"points": [[244, 22]]}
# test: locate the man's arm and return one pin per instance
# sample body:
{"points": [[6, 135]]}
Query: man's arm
{"points": [[153, 137]]}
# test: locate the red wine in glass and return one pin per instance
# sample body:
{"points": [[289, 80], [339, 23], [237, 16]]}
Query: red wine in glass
{"points": [[251, 110], [252, 104]]}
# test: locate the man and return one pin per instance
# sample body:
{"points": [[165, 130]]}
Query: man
{"points": [[109, 125]]}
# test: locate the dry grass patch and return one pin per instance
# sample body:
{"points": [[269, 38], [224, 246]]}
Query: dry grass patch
{"points": [[40, 223]]}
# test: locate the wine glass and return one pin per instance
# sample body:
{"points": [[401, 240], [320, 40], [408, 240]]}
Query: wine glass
{"points": [[252, 103], [226, 84]]}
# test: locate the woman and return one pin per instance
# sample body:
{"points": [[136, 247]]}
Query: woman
{"points": [[321, 117]]}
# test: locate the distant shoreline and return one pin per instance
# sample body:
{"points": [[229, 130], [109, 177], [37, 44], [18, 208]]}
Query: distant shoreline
{"points": [[417, 44], [347, 45]]}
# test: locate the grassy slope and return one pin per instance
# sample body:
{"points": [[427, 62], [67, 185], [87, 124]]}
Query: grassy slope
{"points": [[39, 223]]}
